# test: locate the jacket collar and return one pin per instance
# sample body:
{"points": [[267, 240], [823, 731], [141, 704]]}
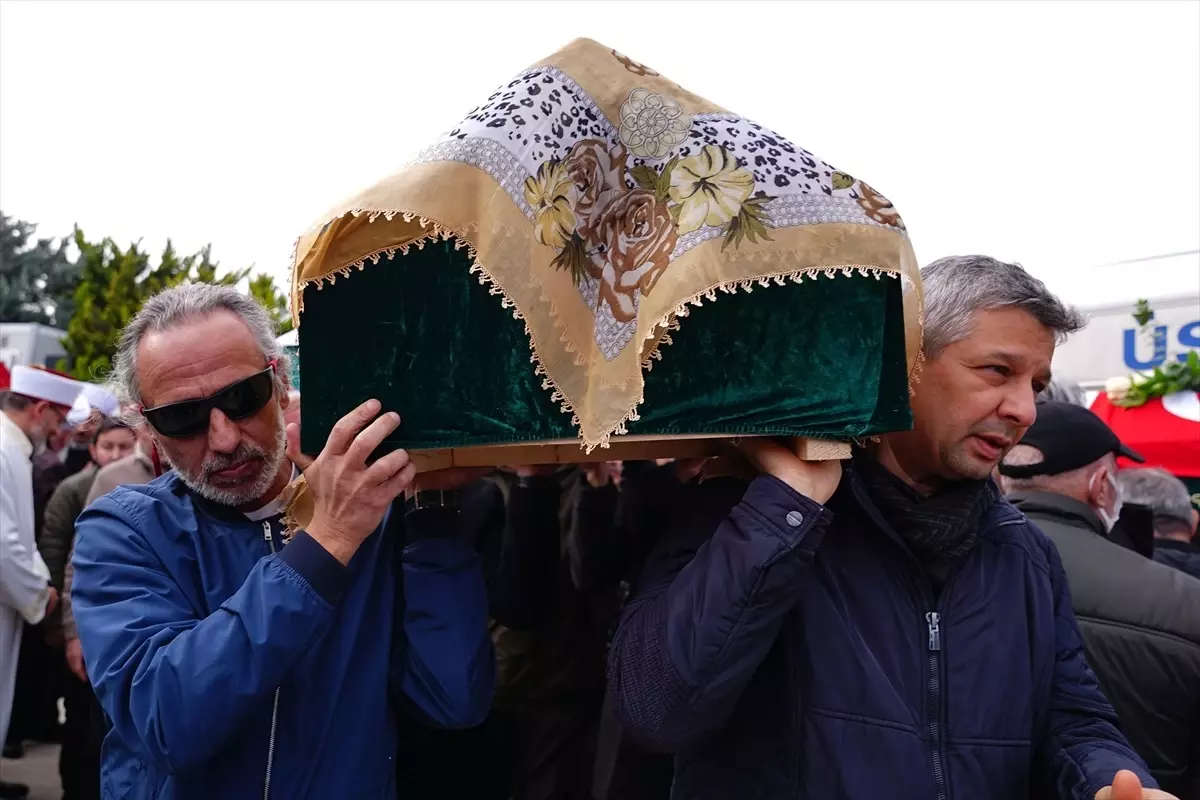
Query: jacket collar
{"points": [[852, 491], [208, 507], [1068, 509], [1175, 544], [217, 510]]}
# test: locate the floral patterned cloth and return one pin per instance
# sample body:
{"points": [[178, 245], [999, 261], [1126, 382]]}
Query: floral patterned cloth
{"points": [[600, 200]]}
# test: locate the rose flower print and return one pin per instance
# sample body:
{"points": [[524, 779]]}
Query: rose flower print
{"points": [[630, 248], [597, 174]]}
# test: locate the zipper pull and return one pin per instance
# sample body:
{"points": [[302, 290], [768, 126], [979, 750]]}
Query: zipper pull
{"points": [[267, 535], [935, 632]]}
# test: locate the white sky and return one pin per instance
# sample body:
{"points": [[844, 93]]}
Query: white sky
{"points": [[1061, 135]]}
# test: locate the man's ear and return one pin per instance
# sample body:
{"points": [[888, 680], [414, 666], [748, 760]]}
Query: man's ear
{"points": [[283, 385], [1097, 486]]}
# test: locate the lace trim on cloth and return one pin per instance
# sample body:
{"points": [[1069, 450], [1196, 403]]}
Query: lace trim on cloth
{"points": [[434, 231]]}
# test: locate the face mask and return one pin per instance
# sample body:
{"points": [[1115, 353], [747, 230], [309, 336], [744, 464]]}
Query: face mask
{"points": [[1110, 518]]}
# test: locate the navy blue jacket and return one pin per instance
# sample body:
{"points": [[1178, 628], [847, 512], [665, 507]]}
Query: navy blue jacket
{"points": [[1183, 556], [786, 650], [233, 666]]}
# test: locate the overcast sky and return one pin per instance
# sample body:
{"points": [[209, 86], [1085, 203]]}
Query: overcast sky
{"points": [[1061, 135]]}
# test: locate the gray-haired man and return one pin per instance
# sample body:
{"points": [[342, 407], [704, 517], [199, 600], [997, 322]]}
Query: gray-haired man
{"points": [[1175, 520], [1140, 620], [901, 606], [233, 658]]}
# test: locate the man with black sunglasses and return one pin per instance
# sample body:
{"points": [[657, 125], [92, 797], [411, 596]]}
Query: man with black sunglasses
{"points": [[232, 658]]}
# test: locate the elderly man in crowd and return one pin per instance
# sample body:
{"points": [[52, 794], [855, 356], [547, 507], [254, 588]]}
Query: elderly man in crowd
{"points": [[1175, 520], [889, 627], [36, 404], [140, 466], [111, 441], [237, 659], [1140, 620], [79, 757]]}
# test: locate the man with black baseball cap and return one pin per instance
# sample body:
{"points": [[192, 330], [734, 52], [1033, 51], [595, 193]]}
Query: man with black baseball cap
{"points": [[1140, 620], [1068, 437]]}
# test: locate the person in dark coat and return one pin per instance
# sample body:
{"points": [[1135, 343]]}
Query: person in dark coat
{"points": [[550, 562], [1175, 519], [1140, 620], [79, 757], [891, 626]]}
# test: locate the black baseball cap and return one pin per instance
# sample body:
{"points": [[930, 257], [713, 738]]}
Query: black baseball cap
{"points": [[1069, 437]]}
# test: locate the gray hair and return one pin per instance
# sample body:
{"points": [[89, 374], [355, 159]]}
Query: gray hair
{"points": [[1070, 483], [1063, 391], [957, 286], [1159, 490], [11, 401], [185, 303]]}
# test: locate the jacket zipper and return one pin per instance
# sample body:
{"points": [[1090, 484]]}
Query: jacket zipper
{"points": [[933, 646], [933, 638], [275, 706], [933, 622]]}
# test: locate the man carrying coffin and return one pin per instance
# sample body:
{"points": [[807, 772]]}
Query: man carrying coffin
{"points": [[235, 661], [890, 627]]}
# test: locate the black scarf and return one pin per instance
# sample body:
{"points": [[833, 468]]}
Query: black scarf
{"points": [[939, 529]]}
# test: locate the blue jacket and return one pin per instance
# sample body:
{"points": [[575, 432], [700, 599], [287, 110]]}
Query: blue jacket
{"points": [[785, 650], [224, 665]]}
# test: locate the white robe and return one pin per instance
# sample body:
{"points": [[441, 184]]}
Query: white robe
{"points": [[24, 578]]}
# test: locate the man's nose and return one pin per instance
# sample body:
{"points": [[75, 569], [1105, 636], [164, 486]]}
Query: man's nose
{"points": [[223, 434], [1020, 406]]}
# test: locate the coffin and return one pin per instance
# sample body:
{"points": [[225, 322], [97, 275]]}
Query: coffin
{"points": [[597, 263]]}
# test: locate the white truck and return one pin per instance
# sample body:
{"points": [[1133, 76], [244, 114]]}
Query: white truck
{"points": [[25, 343], [1112, 344]]}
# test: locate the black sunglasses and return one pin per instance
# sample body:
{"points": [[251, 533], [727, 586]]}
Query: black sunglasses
{"points": [[237, 401]]}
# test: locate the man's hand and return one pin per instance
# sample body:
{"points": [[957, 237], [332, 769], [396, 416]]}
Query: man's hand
{"points": [[75, 659], [446, 479], [601, 473], [688, 468], [350, 497], [534, 470], [816, 480], [51, 601], [1126, 786]]}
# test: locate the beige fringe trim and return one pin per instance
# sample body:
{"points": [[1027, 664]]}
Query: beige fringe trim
{"points": [[436, 231]]}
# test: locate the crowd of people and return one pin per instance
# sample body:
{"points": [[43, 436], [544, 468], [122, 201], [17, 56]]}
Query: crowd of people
{"points": [[984, 606]]}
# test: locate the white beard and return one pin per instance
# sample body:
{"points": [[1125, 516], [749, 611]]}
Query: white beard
{"points": [[273, 462]]}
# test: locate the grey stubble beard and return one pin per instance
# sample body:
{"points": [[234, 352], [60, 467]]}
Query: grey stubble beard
{"points": [[248, 493]]}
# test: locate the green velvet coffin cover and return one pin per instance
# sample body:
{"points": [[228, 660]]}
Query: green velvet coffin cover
{"points": [[425, 338]]}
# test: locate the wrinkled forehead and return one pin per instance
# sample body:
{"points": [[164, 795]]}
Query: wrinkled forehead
{"points": [[196, 358]]}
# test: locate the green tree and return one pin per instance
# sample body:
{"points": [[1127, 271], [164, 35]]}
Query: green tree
{"points": [[263, 289], [113, 284], [37, 277]]}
